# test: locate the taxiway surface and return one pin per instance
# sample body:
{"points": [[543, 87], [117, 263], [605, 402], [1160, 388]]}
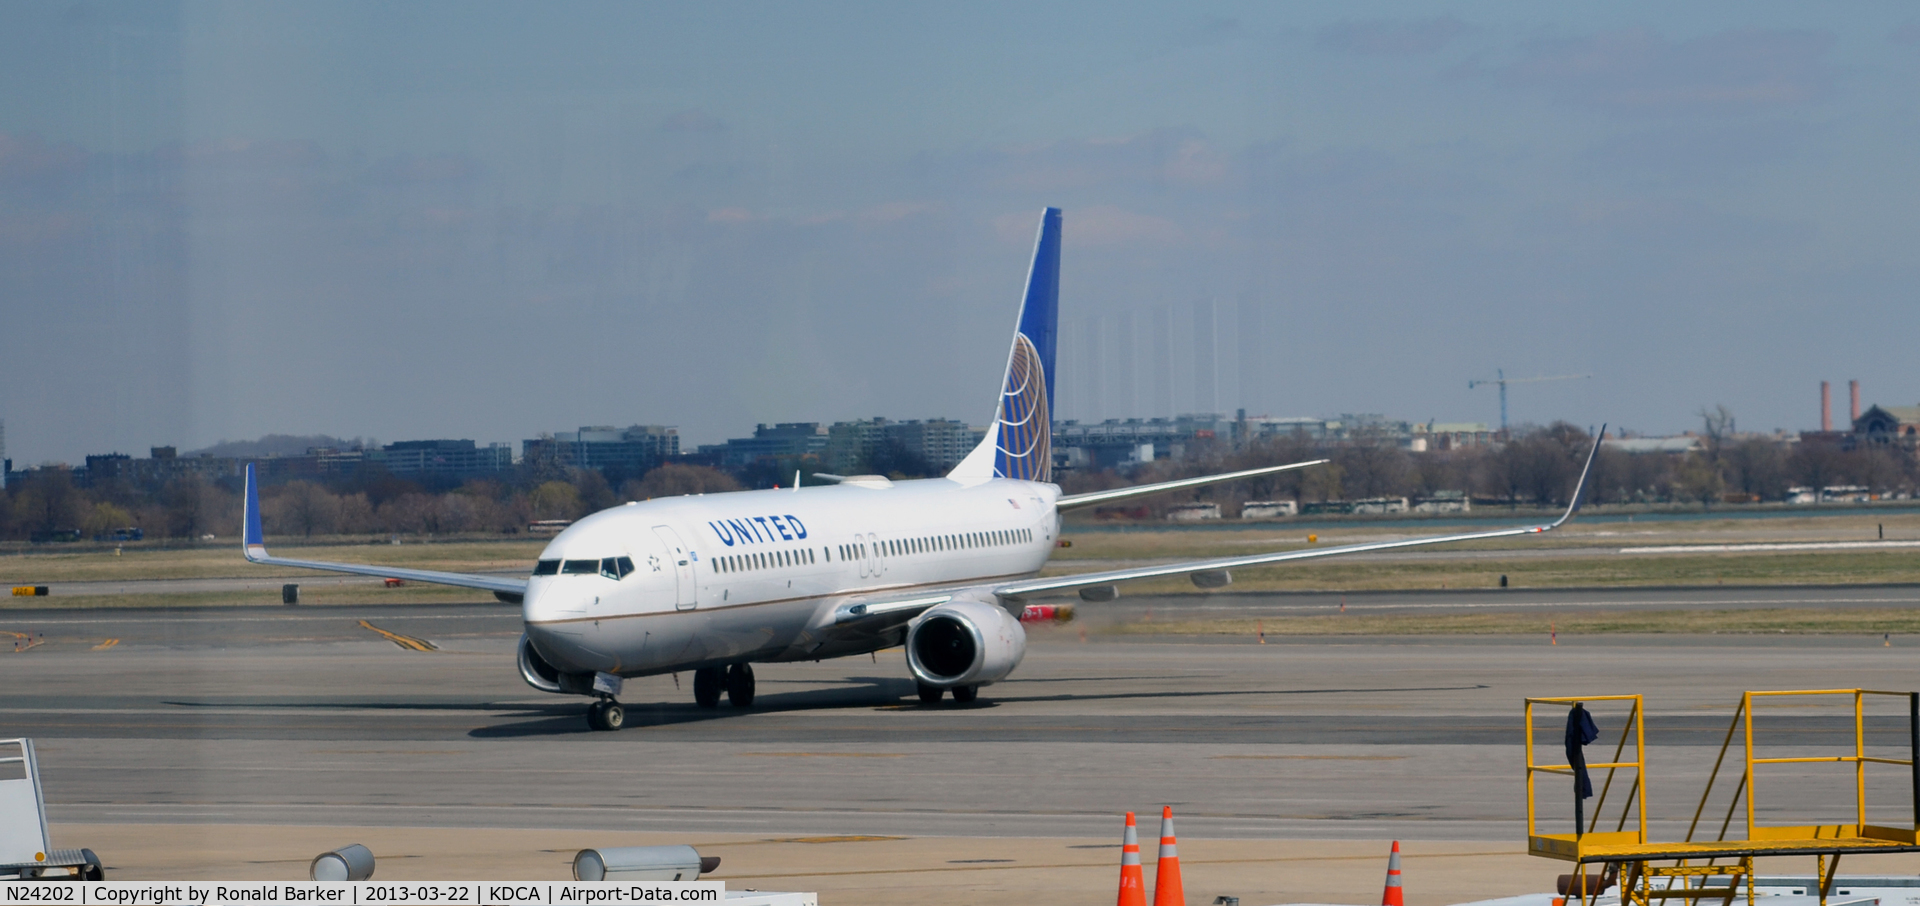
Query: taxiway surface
{"points": [[304, 716]]}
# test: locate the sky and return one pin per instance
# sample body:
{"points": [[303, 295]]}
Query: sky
{"points": [[492, 220]]}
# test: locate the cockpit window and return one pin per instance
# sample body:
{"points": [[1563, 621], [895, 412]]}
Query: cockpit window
{"points": [[546, 568], [616, 567], [580, 567]]}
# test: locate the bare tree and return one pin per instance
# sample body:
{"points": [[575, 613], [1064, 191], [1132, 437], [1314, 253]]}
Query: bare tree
{"points": [[306, 507], [1372, 465], [678, 479]]}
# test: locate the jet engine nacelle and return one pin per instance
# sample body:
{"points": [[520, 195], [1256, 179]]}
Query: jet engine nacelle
{"points": [[545, 677], [965, 643]]}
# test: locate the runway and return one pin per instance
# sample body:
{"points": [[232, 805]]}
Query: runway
{"points": [[303, 716]]}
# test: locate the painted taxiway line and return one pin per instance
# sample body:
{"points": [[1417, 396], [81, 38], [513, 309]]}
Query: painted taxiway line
{"points": [[1763, 547]]}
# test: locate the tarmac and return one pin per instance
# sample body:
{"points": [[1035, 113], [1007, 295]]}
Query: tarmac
{"points": [[239, 742]]}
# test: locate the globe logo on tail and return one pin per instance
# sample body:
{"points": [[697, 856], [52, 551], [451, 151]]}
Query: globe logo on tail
{"points": [[1024, 432]]}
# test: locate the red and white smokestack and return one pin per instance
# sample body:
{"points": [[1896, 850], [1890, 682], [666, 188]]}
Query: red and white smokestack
{"points": [[1853, 407], [1826, 407]]}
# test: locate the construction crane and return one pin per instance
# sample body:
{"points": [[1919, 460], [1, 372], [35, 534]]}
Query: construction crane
{"points": [[1502, 380]]}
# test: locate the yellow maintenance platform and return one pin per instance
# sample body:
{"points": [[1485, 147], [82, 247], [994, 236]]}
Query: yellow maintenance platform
{"points": [[1648, 871]]}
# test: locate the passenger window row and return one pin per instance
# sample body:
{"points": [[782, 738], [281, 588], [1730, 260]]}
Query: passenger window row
{"points": [[612, 567], [734, 563], [938, 543]]}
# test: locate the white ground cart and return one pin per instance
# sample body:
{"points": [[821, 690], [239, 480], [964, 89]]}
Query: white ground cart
{"points": [[24, 852]]}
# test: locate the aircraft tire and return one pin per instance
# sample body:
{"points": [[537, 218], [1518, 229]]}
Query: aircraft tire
{"points": [[596, 716], [708, 684], [612, 716], [740, 685], [965, 694], [930, 695]]}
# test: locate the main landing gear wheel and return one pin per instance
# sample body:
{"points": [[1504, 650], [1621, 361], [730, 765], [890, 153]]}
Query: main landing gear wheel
{"points": [[606, 715], [740, 685], [965, 694], [931, 694], [708, 683]]}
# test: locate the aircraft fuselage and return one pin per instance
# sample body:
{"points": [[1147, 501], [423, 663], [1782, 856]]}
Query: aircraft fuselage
{"points": [[758, 575]]}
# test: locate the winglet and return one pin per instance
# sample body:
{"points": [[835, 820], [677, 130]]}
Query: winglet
{"points": [[255, 544], [1580, 489]]}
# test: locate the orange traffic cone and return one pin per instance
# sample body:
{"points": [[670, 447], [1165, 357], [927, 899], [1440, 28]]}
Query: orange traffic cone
{"points": [[1392, 896], [1167, 889], [1133, 884]]}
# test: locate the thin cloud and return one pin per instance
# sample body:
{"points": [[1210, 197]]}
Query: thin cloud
{"points": [[1100, 225], [1637, 72], [693, 121], [1387, 38]]}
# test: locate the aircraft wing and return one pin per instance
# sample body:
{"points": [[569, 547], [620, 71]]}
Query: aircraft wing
{"points": [[874, 614], [256, 551], [1215, 573], [1092, 498]]}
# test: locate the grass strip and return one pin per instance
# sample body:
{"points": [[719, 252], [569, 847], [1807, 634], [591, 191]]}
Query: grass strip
{"points": [[1791, 621], [1892, 567]]}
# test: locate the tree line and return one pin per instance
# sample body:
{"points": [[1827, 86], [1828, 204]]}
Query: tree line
{"points": [[48, 504], [1538, 466]]}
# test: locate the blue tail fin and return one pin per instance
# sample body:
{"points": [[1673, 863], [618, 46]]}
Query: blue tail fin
{"points": [[1019, 443]]}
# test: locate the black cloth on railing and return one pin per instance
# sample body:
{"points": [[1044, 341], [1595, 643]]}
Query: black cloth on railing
{"points": [[1580, 731]]}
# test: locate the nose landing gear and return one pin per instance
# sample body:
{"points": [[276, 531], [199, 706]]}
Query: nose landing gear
{"points": [[606, 714]]}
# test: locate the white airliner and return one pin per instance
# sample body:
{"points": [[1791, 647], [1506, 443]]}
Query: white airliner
{"points": [[715, 583]]}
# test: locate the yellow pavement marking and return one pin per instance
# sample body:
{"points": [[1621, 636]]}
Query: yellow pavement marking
{"points": [[25, 640], [405, 641], [106, 644]]}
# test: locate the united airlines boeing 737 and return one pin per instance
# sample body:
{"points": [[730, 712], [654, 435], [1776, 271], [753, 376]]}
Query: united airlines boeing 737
{"points": [[716, 583]]}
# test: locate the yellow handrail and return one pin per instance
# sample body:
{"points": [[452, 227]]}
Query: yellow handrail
{"points": [[1860, 759]]}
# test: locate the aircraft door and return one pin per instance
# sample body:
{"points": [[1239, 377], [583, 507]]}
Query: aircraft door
{"points": [[879, 562], [682, 567]]}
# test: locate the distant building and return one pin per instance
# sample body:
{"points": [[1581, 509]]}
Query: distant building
{"points": [[162, 465], [1117, 442], [940, 442], [1888, 424], [783, 441], [1442, 436], [631, 451], [456, 460]]}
